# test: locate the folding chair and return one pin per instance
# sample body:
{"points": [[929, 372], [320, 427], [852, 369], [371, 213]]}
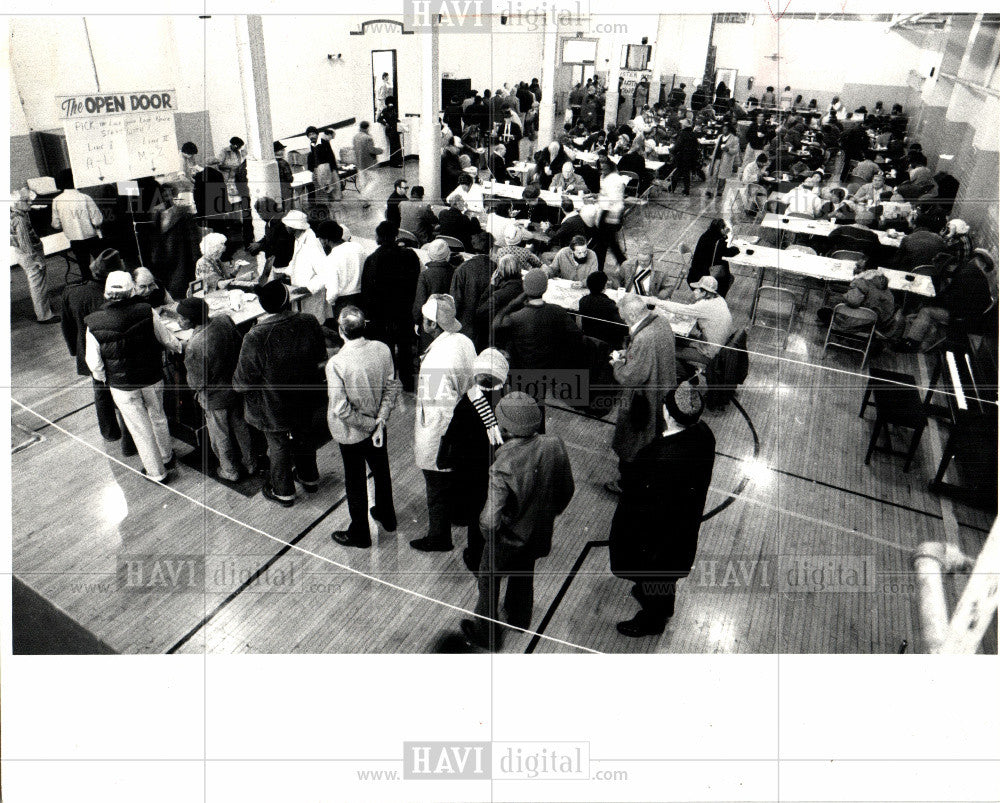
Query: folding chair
{"points": [[407, 238], [453, 242], [773, 304], [853, 328]]}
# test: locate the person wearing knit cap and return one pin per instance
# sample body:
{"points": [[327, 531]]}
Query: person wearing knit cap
{"points": [[78, 301], [530, 484], [280, 375], [468, 446], [445, 375], [362, 393], [654, 532], [963, 302], [435, 278], [388, 287], [124, 348], [512, 237], [210, 359], [540, 337]]}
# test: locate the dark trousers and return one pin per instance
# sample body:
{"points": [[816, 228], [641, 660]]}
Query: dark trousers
{"points": [[395, 148], [109, 420], [286, 449], [84, 251], [247, 220], [355, 456], [440, 493], [519, 570], [399, 337], [607, 238], [656, 598], [682, 173]]}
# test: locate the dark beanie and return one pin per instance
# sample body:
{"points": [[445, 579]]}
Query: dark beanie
{"points": [[273, 296], [536, 281], [330, 230], [685, 404], [194, 309], [386, 231]]}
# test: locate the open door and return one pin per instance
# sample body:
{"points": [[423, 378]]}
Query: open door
{"points": [[383, 80]]}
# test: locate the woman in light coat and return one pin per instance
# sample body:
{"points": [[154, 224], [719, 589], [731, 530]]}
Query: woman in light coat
{"points": [[726, 153]]}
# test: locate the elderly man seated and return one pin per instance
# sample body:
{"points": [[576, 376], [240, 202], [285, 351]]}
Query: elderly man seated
{"points": [[715, 321], [870, 193], [805, 199], [147, 288], [574, 262], [568, 180], [638, 274], [870, 289], [470, 192]]}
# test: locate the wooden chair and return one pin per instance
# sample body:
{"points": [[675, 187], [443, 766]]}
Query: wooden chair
{"points": [[773, 304], [851, 329]]}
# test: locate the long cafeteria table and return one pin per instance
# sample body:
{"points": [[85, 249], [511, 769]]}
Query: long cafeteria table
{"points": [[815, 228]]}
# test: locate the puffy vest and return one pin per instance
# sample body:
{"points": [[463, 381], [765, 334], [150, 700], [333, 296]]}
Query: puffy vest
{"points": [[132, 355]]}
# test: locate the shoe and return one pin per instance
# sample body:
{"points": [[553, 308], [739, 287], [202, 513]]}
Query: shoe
{"points": [[638, 626], [613, 487], [344, 538], [308, 487], [471, 633], [385, 527], [53, 319], [708, 193], [171, 463], [222, 474], [428, 544], [268, 493], [469, 564], [163, 480], [128, 451]]}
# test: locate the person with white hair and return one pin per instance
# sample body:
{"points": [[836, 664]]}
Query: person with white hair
{"points": [[210, 268], [125, 343], [958, 242]]}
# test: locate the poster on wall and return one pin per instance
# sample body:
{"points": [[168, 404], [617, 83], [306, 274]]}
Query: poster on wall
{"points": [[117, 136], [631, 77]]}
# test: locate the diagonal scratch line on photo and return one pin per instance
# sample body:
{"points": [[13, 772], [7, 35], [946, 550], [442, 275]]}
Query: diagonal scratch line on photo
{"points": [[296, 547]]}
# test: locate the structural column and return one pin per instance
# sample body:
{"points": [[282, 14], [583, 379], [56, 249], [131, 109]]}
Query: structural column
{"points": [[430, 107], [262, 169], [614, 72], [547, 108]]}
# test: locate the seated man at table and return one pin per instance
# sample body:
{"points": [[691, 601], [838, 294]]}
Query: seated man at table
{"points": [[714, 320], [919, 247], [835, 206], [805, 199], [496, 164], [147, 289], [858, 235], [416, 217], [864, 171], [966, 297], [533, 209], [568, 180], [571, 225], [210, 360], [513, 236], [468, 191], [453, 222], [638, 274], [599, 316], [896, 212], [635, 162], [574, 262], [869, 289], [870, 193]]}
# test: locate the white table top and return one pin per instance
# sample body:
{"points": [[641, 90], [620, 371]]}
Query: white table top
{"points": [[514, 192], [301, 178], [823, 268], [817, 228], [562, 293], [592, 158]]}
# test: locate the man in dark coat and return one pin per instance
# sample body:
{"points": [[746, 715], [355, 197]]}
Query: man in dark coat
{"points": [[919, 247], [78, 301], [654, 532], [393, 202], [451, 170], [599, 316], [434, 278], [470, 281], [388, 287], [531, 482], [453, 222], [280, 374], [210, 360], [686, 155], [389, 118], [571, 225], [277, 241], [496, 163], [175, 243], [468, 447]]}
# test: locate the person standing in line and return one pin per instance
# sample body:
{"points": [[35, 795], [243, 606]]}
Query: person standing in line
{"points": [[445, 374], [389, 118], [210, 360], [667, 482], [308, 265], [468, 446], [342, 269], [362, 393], [78, 301], [647, 372], [285, 176], [365, 159], [80, 220], [28, 252], [388, 287], [125, 343], [230, 157], [322, 163], [280, 374], [530, 484]]}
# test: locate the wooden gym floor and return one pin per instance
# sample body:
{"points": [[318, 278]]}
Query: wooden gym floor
{"points": [[790, 488]]}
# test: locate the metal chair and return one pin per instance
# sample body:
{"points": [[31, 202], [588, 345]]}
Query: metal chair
{"points": [[802, 249], [407, 238], [775, 303], [774, 206], [853, 328], [853, 256]]}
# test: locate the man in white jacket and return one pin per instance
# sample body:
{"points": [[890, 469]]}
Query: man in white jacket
{"points": [[446, 373], [308, 266]]}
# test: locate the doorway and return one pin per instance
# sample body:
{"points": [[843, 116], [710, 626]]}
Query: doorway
{"points": [[383, 80]]}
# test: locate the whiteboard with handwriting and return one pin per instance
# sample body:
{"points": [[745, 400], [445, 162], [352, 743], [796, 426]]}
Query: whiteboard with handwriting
{"points": [[120, 147]]}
